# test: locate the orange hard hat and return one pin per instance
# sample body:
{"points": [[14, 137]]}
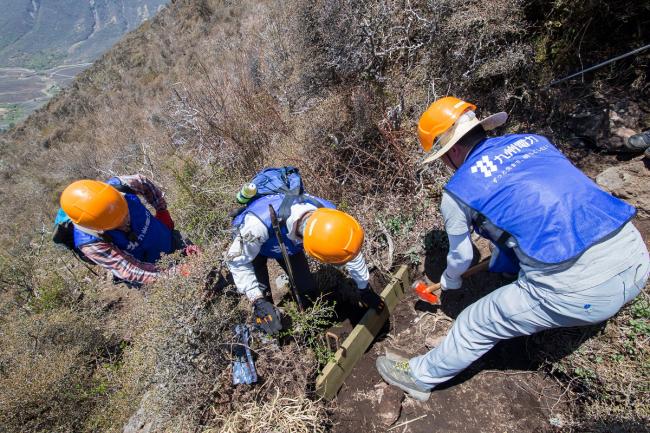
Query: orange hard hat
{"points": [[332, 236], [439, 117], [94, 205]]}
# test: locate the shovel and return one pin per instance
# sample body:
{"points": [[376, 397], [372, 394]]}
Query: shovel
{"points": [[426, 291]]}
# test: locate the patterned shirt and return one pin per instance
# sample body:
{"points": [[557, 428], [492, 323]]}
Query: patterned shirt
{"points": [[122, 264]]}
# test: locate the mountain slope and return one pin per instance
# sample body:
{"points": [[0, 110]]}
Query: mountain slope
{"points": [[205, 94], [43, 33]]}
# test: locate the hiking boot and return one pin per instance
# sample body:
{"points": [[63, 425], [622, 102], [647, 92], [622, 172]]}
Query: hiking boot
{"points": [[638, 142], [398, 373]]}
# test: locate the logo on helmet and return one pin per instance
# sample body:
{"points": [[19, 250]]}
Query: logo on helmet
{"points": [[485, 165]]}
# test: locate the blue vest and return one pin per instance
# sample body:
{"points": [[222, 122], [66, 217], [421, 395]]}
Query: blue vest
{"points": [[148, 239], [260, 208], [525, 186]]}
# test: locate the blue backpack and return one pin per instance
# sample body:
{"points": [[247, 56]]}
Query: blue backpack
{"points": [[279, 180]]}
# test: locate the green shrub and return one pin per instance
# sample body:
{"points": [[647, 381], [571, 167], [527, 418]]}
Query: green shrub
{"points": [[308, 327]]}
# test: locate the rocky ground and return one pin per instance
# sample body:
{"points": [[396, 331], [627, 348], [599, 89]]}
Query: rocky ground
{"points": [[504, 391]]}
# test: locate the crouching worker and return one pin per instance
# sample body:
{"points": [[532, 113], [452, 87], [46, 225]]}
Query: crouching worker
{"points": [[307, 224], [106, 224], [580, 257]]}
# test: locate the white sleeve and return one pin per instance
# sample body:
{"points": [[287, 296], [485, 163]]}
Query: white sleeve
{"points": [[243, 250], [456, 217], [459, 260], [358, 271], [457, 225]]}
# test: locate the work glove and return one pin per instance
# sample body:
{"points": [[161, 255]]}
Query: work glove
{"points": [[164, 217], [266, 316], [369, 299]]}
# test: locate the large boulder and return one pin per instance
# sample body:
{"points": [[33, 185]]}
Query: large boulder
{"points": [[629, 182]]}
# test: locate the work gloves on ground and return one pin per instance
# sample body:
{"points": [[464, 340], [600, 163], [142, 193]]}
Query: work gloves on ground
{"points": [[266, 317], [367, 298], [164, 217]]}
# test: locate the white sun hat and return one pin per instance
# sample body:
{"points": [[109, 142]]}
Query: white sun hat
{"points": [[464, 123]]}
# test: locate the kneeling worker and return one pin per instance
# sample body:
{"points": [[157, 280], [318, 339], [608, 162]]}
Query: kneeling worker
{"points": [[314, 226], [113, 229], [580, 257]]}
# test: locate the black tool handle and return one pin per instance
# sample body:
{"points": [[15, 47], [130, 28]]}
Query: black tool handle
{"points": [[283, 249]]}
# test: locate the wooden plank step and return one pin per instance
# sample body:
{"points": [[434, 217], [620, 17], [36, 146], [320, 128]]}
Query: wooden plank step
{"points": [[336, 371]]}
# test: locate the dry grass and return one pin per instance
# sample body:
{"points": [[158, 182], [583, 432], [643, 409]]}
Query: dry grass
{"points": [[281, 414], [605, 368], [46, 366], [178, 347]]}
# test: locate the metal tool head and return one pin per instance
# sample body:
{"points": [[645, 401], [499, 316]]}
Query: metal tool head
{"points": [[422, 290]]}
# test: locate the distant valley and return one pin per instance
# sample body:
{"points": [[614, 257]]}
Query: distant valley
{"points": [[45, 43], [24, 90]]}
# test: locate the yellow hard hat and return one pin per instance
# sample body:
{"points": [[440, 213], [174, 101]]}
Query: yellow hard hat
{"points": [[439, 117], [332, 236], [94, 205]]}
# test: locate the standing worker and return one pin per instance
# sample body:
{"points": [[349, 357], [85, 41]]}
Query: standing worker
{"points": [[308, 224], [580, 257], [112, 228]]}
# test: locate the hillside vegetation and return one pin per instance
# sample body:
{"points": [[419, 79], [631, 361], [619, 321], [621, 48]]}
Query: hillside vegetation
{"points": [[206, 93]]}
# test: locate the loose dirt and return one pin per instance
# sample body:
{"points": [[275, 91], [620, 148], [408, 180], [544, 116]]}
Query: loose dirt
{"points": [[502, 392]]}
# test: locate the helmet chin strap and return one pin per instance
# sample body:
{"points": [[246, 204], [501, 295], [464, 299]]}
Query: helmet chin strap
{"points": [[469, 141], [451, 161]]}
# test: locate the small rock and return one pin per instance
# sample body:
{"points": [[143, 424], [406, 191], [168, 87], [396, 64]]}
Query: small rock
{"points": [[614, 180], [142, 421], [281, 282], [138, 423], [623, 132], [629, 182], [434, 341], [614, 118], [556, 421], [390, 404]]}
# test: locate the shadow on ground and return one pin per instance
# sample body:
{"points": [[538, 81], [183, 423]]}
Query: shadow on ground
{"points": [[527, 353]]}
